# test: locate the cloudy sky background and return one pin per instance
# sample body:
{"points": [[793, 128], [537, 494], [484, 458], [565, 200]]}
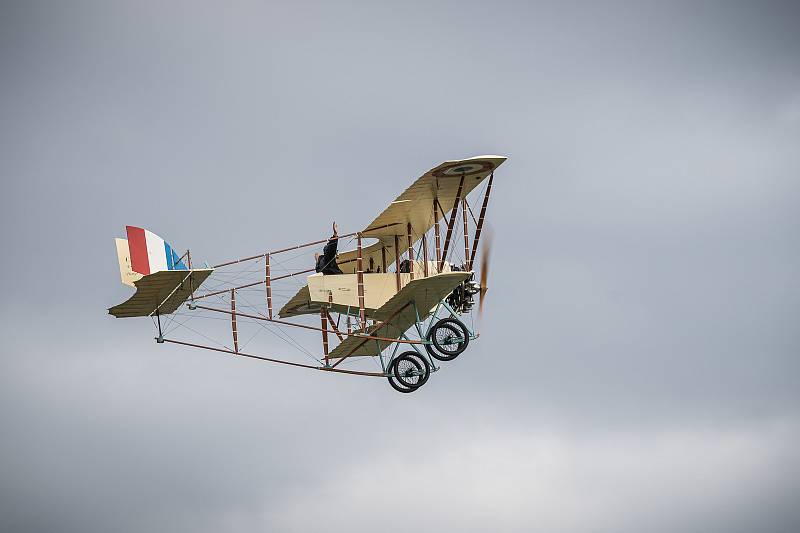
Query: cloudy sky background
{"points": [[639, 367]]}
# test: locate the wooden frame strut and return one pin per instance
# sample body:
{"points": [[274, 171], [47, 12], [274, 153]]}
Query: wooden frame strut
{"points": [[303, 326], [451, 223], [268, 282], [233, 322], [481, 217], [290, 248], [279, 361]]}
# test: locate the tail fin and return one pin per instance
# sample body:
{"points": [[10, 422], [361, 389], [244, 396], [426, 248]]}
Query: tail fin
{"points": [[144, 253], [126, 273]]}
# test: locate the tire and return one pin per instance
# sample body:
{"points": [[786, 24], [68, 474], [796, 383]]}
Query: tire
{"points": [[444, 330], [425, 363], [409, 370], [397, 386]]}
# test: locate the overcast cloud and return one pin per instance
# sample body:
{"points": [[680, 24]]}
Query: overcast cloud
{"points": [[639, 368]]}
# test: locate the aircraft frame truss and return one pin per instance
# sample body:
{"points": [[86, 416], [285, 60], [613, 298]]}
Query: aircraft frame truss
{"points": [[423, 295]]}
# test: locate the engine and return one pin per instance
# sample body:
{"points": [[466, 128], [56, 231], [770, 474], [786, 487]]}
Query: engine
{"points": [[462, 299]]}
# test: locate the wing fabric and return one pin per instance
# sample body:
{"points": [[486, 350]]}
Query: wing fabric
{"points": [[415, 206], [424, 292]]}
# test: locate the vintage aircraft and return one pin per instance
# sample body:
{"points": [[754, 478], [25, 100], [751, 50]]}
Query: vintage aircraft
{"points": [[394, 292]]}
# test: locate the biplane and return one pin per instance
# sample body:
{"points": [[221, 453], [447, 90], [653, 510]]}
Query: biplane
{"points": [[403, 302]]}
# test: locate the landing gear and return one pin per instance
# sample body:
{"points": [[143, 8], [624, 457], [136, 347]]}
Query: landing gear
{"points": [[444, 341], [409, 371], [448, 338]]}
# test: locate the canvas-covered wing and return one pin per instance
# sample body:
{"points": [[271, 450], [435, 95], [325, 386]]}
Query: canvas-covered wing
{"points": [[425, 292], [165, 290], [300, 304], [415, 206]]}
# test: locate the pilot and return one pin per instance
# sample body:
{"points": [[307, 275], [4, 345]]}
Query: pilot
{"points": [[326, 262]]}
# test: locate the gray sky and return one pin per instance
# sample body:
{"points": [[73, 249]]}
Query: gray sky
{"points": [[639, 365]]}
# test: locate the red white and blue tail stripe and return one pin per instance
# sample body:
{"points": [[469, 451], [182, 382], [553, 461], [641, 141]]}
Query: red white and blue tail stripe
{"points": [[149, 253]]}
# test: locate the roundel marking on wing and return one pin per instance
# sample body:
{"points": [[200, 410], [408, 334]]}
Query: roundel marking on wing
{"points": [[465, 169]]}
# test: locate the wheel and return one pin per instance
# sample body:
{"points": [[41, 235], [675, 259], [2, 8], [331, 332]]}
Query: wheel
{"points": [[449, 338], [410, 371], [398, 387], [425, 363], [398, 384], [423, 366]]}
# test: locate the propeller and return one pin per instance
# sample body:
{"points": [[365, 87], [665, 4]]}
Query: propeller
{"points": [[485, 254]]}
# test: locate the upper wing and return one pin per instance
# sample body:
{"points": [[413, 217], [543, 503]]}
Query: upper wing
{"points": [[415, 206]]}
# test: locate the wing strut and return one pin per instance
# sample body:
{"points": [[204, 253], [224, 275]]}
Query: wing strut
{"points": [[360, 280], [436, 232], [397, 260], [480, 218], [464, 207], [451, 222], [333, 324], [323, 315], [410, 252], [425, 255]]}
